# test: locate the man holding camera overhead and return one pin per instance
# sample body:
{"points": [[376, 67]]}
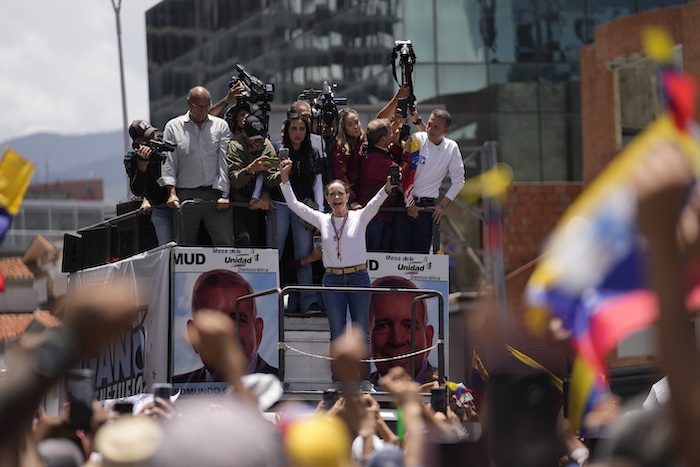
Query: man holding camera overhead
{"points": [[143, 166], [250, 154], [197, 169]]}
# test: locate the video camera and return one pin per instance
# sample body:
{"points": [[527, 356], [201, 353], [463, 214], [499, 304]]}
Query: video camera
{"points": [[256, 94], [255, 90], [158, 146], [407, 59], [324, 104]]}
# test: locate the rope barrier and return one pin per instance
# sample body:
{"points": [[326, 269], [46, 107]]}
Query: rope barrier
{"points": [[287, 347]]}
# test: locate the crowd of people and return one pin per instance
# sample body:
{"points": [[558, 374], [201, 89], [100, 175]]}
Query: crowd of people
{"points": [[337, 188], [216, 162]]}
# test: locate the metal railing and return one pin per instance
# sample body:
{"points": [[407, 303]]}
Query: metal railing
{"points": [[420, 294]]}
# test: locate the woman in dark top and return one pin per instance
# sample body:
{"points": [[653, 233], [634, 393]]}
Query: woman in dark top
{"points": [[347, 152], [307, 184]]}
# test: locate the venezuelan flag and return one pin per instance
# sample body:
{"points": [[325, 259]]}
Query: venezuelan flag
{"points": [[15, 173], [591, 276], [408, 181]]}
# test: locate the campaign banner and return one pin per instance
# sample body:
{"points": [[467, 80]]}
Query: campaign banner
{"points": [[390, 314], [214, 278], [137, 356]]}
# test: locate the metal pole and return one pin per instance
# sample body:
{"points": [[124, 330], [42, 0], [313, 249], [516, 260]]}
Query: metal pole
{"points": [[117, 8]]}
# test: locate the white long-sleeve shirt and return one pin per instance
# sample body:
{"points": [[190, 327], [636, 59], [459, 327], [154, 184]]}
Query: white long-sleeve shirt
{"points": [[353, 247], [434, 162]]}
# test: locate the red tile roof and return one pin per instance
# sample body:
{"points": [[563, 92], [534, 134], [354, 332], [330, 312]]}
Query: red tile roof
{"points": [[14, 268], [14, 324]]}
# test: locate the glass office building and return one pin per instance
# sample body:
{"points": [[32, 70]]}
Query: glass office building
{"points": [[507, 70]]}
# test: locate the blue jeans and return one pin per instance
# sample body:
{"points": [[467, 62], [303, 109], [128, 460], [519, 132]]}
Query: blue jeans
{"points": [[378, 235], [413, 235], [162, 220], [337, 302], [284, 218]]}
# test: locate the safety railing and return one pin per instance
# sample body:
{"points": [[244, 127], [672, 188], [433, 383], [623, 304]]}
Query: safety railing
{"points": [[420, 294]]}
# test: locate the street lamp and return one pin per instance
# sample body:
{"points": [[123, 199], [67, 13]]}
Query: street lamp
{"points": [[117, 7]]}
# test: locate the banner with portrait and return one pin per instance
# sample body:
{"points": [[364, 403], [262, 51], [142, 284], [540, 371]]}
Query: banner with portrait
{"points": [[214, 278], [137, 357], [390, 314]]}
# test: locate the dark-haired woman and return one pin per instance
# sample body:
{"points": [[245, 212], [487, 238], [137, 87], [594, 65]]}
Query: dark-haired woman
{"points": [[306, 182]]}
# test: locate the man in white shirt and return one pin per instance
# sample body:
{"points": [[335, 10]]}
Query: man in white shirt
{"points": [[437, 156], [197, 169]]}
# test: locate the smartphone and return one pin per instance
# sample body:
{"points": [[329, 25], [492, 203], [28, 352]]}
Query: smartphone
{"points": [[438, 399], [124, 407], [273, 161], [404, 133], [80, 387], [318, 243], [283, 153], [162, 390], [330, 397], [394, 172]]}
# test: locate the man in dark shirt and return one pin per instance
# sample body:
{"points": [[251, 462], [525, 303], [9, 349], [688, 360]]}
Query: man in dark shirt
{"points": [[384, 150], [143, 166]]}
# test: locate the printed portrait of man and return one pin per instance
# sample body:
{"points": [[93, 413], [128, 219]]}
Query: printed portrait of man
{"points": [[390, 328], [218, 290]]}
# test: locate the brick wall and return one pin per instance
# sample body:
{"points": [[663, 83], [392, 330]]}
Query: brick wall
{"points": [[617, 39], [532, 210]]}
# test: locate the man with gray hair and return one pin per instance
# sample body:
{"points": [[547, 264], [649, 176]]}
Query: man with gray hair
{"points": [[197, 169]]}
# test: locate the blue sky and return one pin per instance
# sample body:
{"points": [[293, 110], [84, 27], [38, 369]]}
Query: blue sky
{"points": [[60, 66]]}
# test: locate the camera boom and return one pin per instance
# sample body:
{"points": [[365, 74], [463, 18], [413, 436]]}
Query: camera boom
{"points": [[403, 50]]}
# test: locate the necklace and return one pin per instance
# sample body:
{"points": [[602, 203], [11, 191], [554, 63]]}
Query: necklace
{"points": [[339, 234]]}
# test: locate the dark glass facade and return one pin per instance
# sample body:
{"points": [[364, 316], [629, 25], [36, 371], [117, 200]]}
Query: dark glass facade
{"points": [[507, 70]]}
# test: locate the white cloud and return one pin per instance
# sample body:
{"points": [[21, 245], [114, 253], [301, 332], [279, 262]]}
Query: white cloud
{"points": [[60, 66]]}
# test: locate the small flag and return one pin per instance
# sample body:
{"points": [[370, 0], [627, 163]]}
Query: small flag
{"points": [[492, 183], [15, 173], [460, 392]]}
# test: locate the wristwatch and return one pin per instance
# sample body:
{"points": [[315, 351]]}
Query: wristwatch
{"points": [[418, 122]]}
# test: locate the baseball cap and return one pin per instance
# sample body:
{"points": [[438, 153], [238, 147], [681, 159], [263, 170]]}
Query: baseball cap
{"points": [[254, 129], [141, 129]]}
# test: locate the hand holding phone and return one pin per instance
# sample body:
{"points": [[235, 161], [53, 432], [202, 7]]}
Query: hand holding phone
{"points": [[162, 390], [438, 399], [81, 393], [395, 177]]}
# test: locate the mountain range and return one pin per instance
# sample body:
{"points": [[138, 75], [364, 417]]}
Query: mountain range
{"points": [[76, 157]]}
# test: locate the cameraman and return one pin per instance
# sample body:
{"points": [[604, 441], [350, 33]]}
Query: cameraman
{"points": [[143, 165], [231, 96], [318, 142]]}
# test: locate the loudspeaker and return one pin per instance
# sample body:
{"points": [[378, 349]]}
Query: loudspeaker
{"points": [[72, 252], [134, 234]]}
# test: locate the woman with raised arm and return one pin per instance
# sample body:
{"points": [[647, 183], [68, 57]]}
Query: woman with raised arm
{"points": [[344, 249]]}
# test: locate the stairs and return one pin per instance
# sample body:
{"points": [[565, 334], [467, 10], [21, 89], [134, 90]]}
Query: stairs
{"points": [[311, 334]]}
